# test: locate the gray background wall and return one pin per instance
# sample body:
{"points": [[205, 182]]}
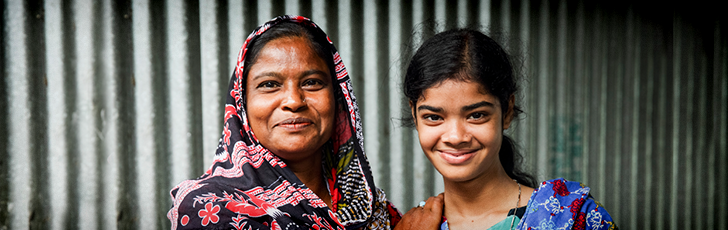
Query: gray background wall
{"points": [[106, 105]]}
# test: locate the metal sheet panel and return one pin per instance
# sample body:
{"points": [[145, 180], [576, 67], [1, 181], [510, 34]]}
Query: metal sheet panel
{"points": [[108, 104]]}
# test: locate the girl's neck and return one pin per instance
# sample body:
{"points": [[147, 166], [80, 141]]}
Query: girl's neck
{"points": [[479, 194], [482, 201]]}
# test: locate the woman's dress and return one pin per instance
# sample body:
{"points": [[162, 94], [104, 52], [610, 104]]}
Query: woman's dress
{"points": [[248, 187]]}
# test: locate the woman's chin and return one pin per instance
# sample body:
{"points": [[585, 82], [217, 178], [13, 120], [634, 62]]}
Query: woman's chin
{"points": [[295, 153], [294, 143]]}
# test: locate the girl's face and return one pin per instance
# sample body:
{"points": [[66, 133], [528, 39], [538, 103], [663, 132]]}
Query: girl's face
{"points": [[460, 127]]}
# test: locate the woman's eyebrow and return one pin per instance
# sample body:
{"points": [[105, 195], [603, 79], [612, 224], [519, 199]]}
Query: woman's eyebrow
{"points": [[266, 74], [477, 105], [427, 107], [277, 75], [312, 72]]}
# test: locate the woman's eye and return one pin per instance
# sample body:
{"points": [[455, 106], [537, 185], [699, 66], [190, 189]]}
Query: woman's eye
{"points": [[313, 84], [432, 117], [268, 84]]}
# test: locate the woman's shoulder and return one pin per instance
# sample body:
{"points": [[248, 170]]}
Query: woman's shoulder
{"points": [[562, 203], [386, 215]]}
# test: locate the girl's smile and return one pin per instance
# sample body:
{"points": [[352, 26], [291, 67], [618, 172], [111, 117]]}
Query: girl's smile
{"points": [[461, 133], [456, 157]]}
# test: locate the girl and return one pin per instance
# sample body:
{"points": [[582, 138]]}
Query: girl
{"points": [[461, 90]]}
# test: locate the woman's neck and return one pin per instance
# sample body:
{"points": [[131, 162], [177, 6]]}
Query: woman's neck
{"points": [[483, 201], [309, 171]]}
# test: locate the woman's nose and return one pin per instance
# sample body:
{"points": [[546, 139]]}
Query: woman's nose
{"points": [[456, 134], [294, 99]]}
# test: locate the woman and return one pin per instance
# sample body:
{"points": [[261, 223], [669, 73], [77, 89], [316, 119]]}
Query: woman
{"points": [[461, 90], [291, 153]]}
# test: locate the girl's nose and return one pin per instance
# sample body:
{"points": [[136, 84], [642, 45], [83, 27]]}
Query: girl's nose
{"points": [[456, 134]]}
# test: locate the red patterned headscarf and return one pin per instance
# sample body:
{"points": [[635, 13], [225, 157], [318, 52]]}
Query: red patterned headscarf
{"points": [[248, 187]]}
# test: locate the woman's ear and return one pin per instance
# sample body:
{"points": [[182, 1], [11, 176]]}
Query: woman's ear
{"points": [[509, 114]]}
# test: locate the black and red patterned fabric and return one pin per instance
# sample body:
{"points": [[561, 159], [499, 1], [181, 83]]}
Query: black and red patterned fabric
{"points": [[248, 187]]}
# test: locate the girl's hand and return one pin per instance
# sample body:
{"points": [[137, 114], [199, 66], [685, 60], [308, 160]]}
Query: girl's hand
{"points": [[427, 217]]}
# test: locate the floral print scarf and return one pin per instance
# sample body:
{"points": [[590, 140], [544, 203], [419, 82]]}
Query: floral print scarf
{"points": [[248, 187]]}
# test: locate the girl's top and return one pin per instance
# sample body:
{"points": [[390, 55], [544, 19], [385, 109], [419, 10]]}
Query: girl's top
{"points": [[514, 215], [557, 204], [248, 187]]}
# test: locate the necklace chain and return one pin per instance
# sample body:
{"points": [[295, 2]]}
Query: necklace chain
{"points": [[517, 203], [514, 210]]}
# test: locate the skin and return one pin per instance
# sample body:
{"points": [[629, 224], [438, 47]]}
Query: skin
{"points": [[290, 106], [461, 134], [427, 217]]}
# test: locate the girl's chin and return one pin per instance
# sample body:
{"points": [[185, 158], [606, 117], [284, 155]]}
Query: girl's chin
{"points": [[457, 174], [457, 178]]}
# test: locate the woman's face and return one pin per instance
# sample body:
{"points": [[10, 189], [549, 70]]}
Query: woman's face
{"points": [[290, 99], [460, 127]]}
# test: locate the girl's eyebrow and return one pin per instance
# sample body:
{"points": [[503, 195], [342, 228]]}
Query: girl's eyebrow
{"points": [[477, 105], [465, 108], [427, 107]]}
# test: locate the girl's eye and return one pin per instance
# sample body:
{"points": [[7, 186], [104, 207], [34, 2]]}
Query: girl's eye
{"points": [[432, 117], [268, 84], [476, 115], [313, 84]]}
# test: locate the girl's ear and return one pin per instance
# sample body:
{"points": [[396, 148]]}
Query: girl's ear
{"points": [[509, 114], [412, 112]]}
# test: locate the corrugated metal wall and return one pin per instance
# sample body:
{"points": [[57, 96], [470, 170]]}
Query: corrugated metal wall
{"points": [[106, 105]]}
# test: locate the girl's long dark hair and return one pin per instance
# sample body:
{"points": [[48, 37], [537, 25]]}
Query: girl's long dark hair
{"points": [[469, 55]]}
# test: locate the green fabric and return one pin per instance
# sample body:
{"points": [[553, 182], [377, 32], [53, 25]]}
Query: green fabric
{"points": [[506, 223]]}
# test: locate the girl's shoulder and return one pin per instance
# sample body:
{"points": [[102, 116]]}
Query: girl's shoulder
{"points": [[559, 203], [561, 187]]}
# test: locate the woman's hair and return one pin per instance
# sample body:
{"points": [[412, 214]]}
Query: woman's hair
{"points": [[318, 41], [469, 55]]}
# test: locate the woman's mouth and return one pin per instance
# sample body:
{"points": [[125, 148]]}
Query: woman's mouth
{"points": [[295, 124], [456, 157]]}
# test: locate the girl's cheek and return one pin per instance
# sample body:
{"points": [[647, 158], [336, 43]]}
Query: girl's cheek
{"points": [[428, 136]]}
